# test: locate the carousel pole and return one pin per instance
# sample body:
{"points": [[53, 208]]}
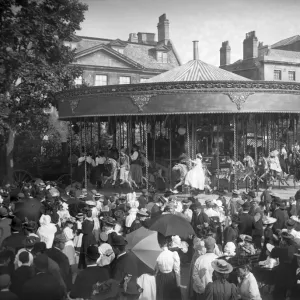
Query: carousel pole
{"points": [[71, 165], [146, 150], [218, 153], [170, 138], [255, 137], [154, 138], [91, 145], [188, 141], [235, 150], [81, 138], [85, 165], [99, 134]]}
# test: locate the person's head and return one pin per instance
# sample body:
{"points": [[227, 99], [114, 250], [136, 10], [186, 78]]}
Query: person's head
{"points": [[92, 255], [4, 281], [210, 244], [244, 270], [198, 207], [23, 259], [40, 263], [59, 241], [39, 248], [69, 224], [118, 244]]}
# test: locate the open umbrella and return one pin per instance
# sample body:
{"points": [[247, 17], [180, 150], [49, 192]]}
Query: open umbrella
{"points": [[144, 245], [170, 225]]}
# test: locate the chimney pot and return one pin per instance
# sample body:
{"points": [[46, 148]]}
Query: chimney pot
{"points": [[195, 50]]}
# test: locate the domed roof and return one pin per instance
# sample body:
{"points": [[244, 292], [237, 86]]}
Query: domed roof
{"points": [[196, 70]]}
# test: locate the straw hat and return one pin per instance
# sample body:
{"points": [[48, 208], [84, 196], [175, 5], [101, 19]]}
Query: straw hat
{"points": [[269, 220], [222, 266]]}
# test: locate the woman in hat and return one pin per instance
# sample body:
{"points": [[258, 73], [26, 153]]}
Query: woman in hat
{"points": [[270, 237], [69, 249], [141, 216], [220, 288], [46, 231], [195, 178]]}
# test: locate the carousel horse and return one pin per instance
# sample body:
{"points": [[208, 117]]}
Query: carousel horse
{"points": [[183, 170]]}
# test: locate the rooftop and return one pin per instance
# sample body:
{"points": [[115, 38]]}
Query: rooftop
{"points": [[286, 42]]}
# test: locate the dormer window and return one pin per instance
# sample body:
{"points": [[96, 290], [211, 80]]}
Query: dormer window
{"points": [[162, 57], [118, 49]]}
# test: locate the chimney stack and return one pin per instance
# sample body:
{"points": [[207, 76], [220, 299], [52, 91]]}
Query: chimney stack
{"points": [[250, 45], [163, 30], [133, 38], [195, 50], [225, 51]]}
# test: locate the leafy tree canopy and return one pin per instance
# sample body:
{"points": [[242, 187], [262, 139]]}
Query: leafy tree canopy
{"points": [[34, 63]]}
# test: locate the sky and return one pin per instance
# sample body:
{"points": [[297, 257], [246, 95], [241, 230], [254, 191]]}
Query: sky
{"points": [[209, 21]]}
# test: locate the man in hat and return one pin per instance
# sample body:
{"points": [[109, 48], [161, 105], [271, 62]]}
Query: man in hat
{"points": [[5, 222], [246, 224], [29, 243], [257, 214], [83, 285], [231, 232], [232, 204], [141, 217], [43, 285], [266, 198], [203, 271], [124, 166], [56, 254], [290, 228], [158, 207], [16, 240], [199, 218], [279, 214], [125, 262]]}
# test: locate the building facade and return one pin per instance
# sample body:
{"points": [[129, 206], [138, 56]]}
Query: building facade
{"points": [[108, 62], [278, 62]]}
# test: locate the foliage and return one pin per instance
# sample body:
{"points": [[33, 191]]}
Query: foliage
{"points": [[35, 63]]}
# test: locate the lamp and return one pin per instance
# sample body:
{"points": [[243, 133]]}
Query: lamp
{"points": [[181, 130]]}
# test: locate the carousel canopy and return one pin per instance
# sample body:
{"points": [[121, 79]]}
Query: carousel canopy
{"points": [[194, 88], [196, 70]]}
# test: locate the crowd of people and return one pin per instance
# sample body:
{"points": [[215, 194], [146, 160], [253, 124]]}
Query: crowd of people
{"points": [[70, 243]]}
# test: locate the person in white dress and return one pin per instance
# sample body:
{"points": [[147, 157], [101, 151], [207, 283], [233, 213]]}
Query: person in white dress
{"points": [[195, 178], [69, 249], [46, 231], [274, 163]]}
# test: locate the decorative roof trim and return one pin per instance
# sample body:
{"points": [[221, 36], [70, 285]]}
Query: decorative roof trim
{"points": [[118, 43], [111, 51], [212, 87]]}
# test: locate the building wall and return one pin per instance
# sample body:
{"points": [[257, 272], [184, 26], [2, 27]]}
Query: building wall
{"points": [[113, 75], [270, 68]]}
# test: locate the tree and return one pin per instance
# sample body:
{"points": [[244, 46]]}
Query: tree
{"points": [[34, 63]]}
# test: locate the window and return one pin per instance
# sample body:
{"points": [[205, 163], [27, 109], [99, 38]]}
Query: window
{"points": [[78, 80], [292, 76], [277, 75], [120, 50], [142, 80], [162, 57], [100, 80], [124, 80]]}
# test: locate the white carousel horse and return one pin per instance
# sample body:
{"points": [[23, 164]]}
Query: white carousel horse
{"points": [[183, 170]]}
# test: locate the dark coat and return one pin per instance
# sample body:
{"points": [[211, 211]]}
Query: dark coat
{"points": [[62, 260], [125, 264], [19, 278], [218, 290], [7, 295], [4, 229], [246, 224], [155, 211], [142, 201], [14, 241], [136, 224], [42, 286], [230, 234], [82, 287], [281, 217], [199, 219]]}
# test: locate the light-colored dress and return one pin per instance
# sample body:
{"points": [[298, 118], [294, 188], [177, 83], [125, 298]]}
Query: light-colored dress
{"points": [[148, 284], [69, 249], [47, 231], [248, 288], [195, 178]]}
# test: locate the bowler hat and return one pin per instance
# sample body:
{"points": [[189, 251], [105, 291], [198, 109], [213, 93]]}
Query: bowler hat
{"points": [[277, 201], [285, 235], [246, 206], [222, 266], [39, 247], [143, 212], [92, 252], [16, 224], [118, 240], [109, 221], [198, 204]]}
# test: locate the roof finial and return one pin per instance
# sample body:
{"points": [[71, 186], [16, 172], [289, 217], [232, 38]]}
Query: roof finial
{"points": [[196, 52]]}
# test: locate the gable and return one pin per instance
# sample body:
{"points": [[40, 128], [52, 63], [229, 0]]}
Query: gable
{"points": [[103, 58]]}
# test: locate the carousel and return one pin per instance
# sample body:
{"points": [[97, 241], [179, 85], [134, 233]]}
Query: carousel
{"points": [[234, 125]]}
